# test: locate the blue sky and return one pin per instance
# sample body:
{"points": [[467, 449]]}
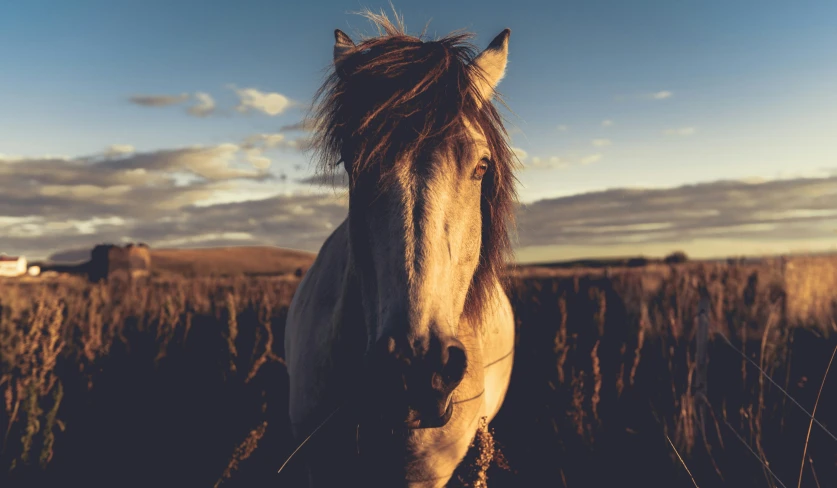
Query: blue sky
{"points": [[605, 94]]}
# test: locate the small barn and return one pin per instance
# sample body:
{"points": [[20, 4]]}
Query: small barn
{"points": [[11, 266], [109, 261]]}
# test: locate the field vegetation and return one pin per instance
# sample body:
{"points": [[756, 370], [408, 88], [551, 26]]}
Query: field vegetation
{"points": [[179, 381]]}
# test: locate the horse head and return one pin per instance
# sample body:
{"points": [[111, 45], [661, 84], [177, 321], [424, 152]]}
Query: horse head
{"points": [[431, 189]]}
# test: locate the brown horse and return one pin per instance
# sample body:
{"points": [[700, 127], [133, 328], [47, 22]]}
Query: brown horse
{"points": [[400, 336]]}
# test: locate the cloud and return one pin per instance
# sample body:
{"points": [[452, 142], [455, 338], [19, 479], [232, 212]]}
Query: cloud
{"points": [[116, 150], [798, 209], [552, 162], [607, 123], [682, 131], [556, 162], [205, 105], [520, 153], [661, 95], [161, 197], [119, 184], [268, 141], [170, 198], [339, 179], [212, 163], [601, 142], [303, 126], [592, 158], [255, 145], [249, 99], [562, 128], [269, 103], [158, 100], [295, 221], [255, 157]]}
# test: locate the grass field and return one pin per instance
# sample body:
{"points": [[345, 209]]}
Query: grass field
{"points": [[180, 382]]}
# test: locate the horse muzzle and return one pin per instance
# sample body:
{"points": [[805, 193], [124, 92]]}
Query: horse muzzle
{"points": [[410, 390]]}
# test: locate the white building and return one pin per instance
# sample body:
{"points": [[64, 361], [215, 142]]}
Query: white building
{"points": [[12, 266]]}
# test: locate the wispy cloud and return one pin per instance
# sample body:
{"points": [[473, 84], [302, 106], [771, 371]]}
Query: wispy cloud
{"points": [[556, 162], [255, 145], [661, 95], [607, 123], [268, 141], [205, 105], [592, 158], [681, 131], [520, 153], [562, 128], [270, 103], [304, 125], [337, 179], [158, 100], [601, 142], [116, 150], [552, 162], [249, 100], [257, 159], [801, 209]]}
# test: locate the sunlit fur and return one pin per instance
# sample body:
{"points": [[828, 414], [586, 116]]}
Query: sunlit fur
{"points": [[390, 99], [420, 254]]}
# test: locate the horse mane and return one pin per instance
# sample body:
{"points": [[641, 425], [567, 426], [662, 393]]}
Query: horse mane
{"points": [[396, 96]]}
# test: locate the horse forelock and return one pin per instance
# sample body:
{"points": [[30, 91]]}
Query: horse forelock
{"points": [[395, 97]]}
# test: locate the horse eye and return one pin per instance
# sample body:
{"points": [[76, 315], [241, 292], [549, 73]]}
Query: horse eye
{"points": [[481, 168]]}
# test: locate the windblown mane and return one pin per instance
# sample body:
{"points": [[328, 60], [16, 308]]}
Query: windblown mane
{"points": [[394, 97]]}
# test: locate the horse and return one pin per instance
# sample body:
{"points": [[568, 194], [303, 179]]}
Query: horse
{"points": [[399, 340]]}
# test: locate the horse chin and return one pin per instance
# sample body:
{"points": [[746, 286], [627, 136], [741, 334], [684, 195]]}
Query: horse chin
{"points": [[415, 455], [376, 434], [433, 423]]}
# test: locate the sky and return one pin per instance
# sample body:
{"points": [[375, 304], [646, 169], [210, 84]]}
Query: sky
{"points": [[643, 127]]}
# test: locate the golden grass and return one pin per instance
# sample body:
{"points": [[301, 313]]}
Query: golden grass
{"points": [[811, 283], [594, 337], [242, 452]]}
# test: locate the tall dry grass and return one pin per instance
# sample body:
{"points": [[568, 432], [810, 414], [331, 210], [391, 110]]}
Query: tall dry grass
{"points": [[180, 381]]}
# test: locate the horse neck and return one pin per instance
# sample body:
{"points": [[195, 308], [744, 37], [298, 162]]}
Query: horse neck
{"points": [[349, 331]]}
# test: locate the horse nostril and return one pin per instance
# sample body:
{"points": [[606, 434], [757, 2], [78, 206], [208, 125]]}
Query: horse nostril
{"points": [[454, 362]]}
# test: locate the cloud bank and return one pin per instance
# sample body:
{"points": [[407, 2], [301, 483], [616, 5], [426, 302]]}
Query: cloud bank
{"points": [[798, 209], [192, 196]]}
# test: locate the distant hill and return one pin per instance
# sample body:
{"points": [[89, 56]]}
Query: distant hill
{"points": [[215, 261], [628, 262], [70, 256], [229, 261]]}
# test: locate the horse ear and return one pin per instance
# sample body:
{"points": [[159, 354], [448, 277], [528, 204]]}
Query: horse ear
{"points": [[491, 65], [342, 44]]}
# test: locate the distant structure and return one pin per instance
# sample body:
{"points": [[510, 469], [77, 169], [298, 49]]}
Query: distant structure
{"points": [[677, 257], [109, 261], [12, 266]]}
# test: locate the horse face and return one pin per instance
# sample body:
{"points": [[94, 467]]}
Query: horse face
{"points": [[423, 232], [416, 243]]}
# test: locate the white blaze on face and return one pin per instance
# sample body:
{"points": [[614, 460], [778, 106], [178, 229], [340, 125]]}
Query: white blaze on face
{"points": [[425, 231], [426, 237]]}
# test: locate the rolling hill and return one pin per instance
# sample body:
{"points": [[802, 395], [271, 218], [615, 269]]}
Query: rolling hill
{"points": [[230, 261], [198, 262]]}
